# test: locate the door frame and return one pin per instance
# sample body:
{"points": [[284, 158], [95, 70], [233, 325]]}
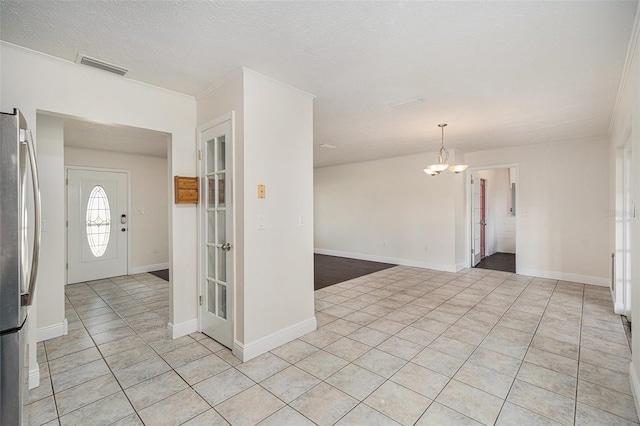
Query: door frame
{"points": [[469, 205], [230, 116], [628, 214], [66, 212], [483, 218]]}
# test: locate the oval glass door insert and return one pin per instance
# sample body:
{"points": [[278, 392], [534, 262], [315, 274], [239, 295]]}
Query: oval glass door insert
{"points": [[98, 221]]}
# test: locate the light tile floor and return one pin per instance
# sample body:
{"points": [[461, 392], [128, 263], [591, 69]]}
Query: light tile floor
{"points": [[400, 346]]}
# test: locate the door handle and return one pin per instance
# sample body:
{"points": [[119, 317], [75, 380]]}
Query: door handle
{"points": [[27, 298], [226, 247]]}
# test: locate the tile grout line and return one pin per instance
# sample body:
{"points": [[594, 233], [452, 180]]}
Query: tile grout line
{"points": [[396, 289], [479, 345]]}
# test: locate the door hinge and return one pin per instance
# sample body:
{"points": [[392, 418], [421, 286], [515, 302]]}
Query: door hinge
{"points": [[473, 251], [200, 300], [67, 266], [472, 181], [67, 224], [199, 154], [66, 181]]}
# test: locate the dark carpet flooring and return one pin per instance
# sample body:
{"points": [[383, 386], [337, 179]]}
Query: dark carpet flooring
{"points": [[163, 273], [329, 270], [499, 262]]}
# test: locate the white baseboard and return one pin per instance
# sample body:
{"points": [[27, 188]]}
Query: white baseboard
{"points": [[618, 308], [34, 377], [148, 268], [635, 386], [182, 329], [565, 276], [52, 331], [245, 352], [460, 266], [384, 259]]}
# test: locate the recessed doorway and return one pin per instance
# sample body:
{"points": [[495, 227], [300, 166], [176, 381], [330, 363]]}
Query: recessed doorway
{"points": [[493, 218]]}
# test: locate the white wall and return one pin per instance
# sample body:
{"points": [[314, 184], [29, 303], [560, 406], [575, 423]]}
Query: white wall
{"points": [[34, 82], [562, 231], [388, 210], [51, 272], [273, 145], [149, 192], [278, 152], [226, 97]]}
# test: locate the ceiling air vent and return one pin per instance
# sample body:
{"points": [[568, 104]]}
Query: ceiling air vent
{"points": [[406, 103], [101, 65]]}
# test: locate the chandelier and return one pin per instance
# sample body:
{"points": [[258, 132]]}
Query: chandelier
{"points": [[443, 160]]}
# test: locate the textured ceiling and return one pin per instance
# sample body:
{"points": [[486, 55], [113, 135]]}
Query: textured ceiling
{"points": [[103, 137], [500, 73]]}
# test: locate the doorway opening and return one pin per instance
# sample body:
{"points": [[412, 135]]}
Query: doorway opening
{"points": [[493, 218], [131, 166]]}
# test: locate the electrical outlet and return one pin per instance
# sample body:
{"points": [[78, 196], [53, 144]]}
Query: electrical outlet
{"points": [[301, 221]]}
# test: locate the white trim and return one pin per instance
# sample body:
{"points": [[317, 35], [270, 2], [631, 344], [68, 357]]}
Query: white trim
{"points": [[220, 83], [384, 259], [182, 329], [148, 268], [280, 83], [565, 276], [52, 331], [245, 352], [460, 266], [34, 377], [467, 208], [631, 50], [635, 386]]}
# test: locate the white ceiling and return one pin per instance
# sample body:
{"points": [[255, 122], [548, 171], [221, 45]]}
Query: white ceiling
{"points": [[500, 73], [106, 137]]}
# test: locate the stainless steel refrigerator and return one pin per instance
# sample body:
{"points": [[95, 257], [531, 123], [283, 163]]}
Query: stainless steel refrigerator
{"points": [[19, 251]]}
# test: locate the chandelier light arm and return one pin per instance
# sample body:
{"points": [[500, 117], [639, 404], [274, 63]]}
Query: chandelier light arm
{"points": [[443, 159]]}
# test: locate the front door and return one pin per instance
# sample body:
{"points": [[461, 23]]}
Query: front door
{"points": [[216, 234], [476, 220], [97, 212]]}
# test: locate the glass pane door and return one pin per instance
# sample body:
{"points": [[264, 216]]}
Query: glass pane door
{"points": [[215, 150], [216, 236]]}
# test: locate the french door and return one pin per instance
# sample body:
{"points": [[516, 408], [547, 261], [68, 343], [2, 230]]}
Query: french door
{"points": [[216, 212], [97, 224]]}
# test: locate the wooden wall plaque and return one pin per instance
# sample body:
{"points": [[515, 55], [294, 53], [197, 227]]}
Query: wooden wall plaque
{"points": [[186, 190]]}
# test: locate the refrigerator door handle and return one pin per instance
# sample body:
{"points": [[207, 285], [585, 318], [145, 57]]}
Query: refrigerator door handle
{"points": [[27, 298]]}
